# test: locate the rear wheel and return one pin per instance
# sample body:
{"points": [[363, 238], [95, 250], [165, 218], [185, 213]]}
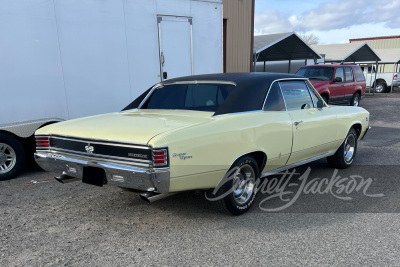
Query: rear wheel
{"points": [[12, 157], [238, 190], [380, 87], [344, 156], [355, 100]]}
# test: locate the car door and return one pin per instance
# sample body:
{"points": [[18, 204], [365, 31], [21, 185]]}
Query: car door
{"points": [[275, 136], [314, 130], [349, 84], [337, 89]]}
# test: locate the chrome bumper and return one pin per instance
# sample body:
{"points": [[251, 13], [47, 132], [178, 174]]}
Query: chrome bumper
{"points": [[124, 176]]}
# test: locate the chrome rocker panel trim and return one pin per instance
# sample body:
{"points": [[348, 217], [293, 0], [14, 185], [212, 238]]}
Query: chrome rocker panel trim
{"points": [[287, 167], [143, 179]]}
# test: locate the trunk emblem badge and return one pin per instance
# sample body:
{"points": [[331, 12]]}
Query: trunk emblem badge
{"points": [[89, 148]]}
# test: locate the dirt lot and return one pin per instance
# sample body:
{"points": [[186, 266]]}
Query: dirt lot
{"points": [[45, 223]]}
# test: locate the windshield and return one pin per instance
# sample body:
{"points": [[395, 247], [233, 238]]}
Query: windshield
{"points": [[200, 97], [317, 73]]}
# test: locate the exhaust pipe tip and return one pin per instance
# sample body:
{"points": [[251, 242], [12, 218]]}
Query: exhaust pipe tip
{"points": [[146, 197], [151, 197], [66, 179]]}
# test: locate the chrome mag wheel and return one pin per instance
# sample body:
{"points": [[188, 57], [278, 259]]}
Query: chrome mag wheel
{"points": [[244, 182], [349, 148], [8, 158], [356, 101]]}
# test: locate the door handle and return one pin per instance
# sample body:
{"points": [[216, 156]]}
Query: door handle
{"points": [[297, 123]]}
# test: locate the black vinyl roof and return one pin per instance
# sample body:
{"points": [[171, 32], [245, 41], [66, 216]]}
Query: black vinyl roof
{"points": [[251, 88], [249, 94]]}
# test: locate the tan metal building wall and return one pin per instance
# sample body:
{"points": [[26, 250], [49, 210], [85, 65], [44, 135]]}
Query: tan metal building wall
{"points": [[384, 42], [380, 42], [238, 35]]}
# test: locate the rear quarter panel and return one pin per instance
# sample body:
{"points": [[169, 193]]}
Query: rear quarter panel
{"points": [[211, 148], [348, 117]]}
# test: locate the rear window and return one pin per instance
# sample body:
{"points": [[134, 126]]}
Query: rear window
{"points": [[359, 74], [200, 97], [317, 73]]}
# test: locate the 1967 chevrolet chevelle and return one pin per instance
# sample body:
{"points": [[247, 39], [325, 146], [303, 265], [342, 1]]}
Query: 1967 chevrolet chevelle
{"points": [[188, 133]]}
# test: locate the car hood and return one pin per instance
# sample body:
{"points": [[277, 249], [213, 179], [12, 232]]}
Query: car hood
{"points": [[319, 84], [137, 126]]}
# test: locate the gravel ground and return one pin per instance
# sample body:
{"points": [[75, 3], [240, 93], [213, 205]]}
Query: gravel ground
{"points": [[45, 223]]}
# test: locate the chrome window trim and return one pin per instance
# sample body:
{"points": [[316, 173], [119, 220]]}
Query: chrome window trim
{"points": [[162, 84], [235, 113], [279, 80], [311, 87], [158, 85], [199, 82], [308, 90]]}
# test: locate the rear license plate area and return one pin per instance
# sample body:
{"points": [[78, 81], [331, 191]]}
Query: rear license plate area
{"points": [[94, 176]]}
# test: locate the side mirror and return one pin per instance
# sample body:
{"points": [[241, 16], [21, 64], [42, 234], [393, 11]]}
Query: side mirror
{"points": [[338, 80], [320, 104]]}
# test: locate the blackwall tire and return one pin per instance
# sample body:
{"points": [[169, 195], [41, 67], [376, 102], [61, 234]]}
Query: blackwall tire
{"points": [[380, 87], [12, 157], [355, 100]]}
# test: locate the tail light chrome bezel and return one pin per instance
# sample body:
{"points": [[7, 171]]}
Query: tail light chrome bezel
{"points": [[42, 142], [160, 157]]}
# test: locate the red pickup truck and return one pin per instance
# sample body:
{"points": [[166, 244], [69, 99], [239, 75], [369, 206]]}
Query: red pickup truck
{"points": [[337, 84]]}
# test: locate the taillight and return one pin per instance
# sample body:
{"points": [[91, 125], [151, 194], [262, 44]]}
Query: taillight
{"points": [[42, 142], [395, 77], [160, 157]]}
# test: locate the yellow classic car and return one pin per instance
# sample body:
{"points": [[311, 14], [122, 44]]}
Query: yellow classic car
{"points": [[189, 133]]}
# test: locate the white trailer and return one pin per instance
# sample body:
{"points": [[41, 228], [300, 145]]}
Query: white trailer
{"points": [[65, 59]]}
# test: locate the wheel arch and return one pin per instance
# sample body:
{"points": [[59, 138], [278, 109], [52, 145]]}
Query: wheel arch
{"points": [[259, 156], [358, 127], [380, 80], [24, 130]]}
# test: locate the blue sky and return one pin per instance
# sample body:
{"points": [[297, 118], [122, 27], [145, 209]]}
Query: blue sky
{"points": [[333, 21]]}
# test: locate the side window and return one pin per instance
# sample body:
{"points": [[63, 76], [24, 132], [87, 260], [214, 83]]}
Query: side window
{"points": [[296, 95], [349, 74], [359, 74], [339, 74], [314, 96], [274, 100]]}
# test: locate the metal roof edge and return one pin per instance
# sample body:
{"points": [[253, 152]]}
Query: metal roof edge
{"points": [[273, 43], [365, 43], [309, 46]]}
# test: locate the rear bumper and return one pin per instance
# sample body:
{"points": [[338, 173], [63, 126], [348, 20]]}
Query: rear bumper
{"points": [[142, 179], [396, 83]]}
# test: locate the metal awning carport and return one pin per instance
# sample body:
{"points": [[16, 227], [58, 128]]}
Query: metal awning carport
{"points": [[353, 52], [390, 56], [281, 46], [342, 53]]}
